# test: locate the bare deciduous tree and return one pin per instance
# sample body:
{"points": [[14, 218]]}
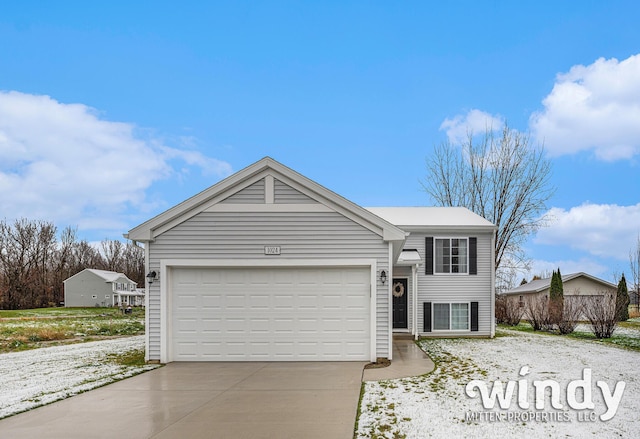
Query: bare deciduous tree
{"points": [[501, 178], [537, 311], [27, 249], [34, 262], [572, 311], [508, 310], [600, 311], [113, 253]]}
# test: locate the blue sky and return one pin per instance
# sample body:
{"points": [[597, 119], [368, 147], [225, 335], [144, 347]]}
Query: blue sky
{"points": [[112, 113]]}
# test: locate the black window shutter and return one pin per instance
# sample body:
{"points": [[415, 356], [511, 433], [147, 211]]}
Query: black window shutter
{"points": [[474, 316], [428, 263], [473, 255], [427, 316]]}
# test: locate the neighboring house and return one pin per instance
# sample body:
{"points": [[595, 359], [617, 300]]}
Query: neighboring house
{"points": [[93, 287], [268, 265], [634, 300], [576, 284]]}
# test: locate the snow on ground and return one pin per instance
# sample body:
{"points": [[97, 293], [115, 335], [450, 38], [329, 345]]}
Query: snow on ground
{"points": [[436, 405], [29, 379]]}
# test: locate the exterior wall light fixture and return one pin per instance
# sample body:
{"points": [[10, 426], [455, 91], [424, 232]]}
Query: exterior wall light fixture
{"points": [[152, 276]]}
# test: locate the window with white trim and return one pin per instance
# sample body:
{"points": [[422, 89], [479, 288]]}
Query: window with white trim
{"points": [[451, 316], [451, 255]]}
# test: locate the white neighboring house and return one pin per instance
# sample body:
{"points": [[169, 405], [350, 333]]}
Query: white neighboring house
{"points": [[268, 265], [93, 287], [575, 284]]}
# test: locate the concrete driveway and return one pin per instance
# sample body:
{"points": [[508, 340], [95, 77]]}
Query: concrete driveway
{"points": [[207, 400]]}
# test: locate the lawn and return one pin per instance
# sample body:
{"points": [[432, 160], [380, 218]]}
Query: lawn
{"points": [[35, 328], [34, 378], [439, 404], [626, 335], [81, 349]]}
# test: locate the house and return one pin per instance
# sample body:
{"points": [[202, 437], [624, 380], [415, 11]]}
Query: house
{"points": [[268, 265], [573, 285], [634, 300], [92, 287]]}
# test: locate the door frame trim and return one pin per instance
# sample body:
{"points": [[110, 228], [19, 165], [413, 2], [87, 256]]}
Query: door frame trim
{"points": [[407, 293], [166, 266]]}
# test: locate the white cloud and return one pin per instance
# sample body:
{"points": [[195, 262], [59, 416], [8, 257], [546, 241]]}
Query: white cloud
{"points": [[594, 107], [63, 163], [568, 266], [208, 165], [605, 230], [474, 122]]}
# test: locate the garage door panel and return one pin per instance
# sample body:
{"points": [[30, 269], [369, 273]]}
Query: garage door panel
{"points": [[211, 326], [276, 314]]}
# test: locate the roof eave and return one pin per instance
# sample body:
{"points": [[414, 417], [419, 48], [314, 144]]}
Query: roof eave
{"points": [[145, 232]]}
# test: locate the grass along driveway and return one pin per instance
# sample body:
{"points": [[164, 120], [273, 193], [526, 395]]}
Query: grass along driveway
{"points": [[47, 373], [437, 406], [35, 328], [37, 377]]}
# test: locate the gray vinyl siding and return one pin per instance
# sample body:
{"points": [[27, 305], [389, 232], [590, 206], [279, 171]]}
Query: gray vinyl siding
{"points": [[253, 194], [285, 194], [80, 289], [452, 288], [243, 235]]}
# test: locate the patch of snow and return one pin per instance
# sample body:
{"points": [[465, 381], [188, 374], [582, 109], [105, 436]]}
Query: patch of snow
{"points": [[29, 379], [437, 406]]}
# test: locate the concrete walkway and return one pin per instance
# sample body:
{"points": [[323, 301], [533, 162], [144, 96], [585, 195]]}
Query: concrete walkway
{"points": [[408, 361]]}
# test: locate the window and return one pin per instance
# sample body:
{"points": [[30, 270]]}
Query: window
{"points": [[451, 316], [521, 301], [440, 316], [451, 255]]}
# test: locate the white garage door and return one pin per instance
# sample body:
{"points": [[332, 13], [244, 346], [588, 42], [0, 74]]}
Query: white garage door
{"points": [[270, 314]]}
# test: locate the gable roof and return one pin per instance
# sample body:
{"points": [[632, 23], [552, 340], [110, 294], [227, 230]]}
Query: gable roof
{"points": [[539, 285], [108, 276], [423, 217], [148, 230]]}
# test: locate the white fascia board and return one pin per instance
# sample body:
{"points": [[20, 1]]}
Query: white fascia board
{"points": [[450, 229], [267, 166], [349, 209], [143, 232], [233, 263]]}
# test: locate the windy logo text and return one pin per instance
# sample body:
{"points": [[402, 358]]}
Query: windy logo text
{"points": [[578, 393]]}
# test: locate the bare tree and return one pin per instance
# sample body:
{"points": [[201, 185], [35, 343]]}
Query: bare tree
{"points": [[86, 256], [501, 178], [600, 310], [113, 253], [27, 250], [572, 311], [34, 262], [133, 263], [537, 311], [508, 310]]}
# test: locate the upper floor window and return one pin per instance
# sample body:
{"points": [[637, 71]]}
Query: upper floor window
{"points": [[451, 255]]}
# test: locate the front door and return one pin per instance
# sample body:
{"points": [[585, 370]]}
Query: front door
{"points": [[399, 292]]}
